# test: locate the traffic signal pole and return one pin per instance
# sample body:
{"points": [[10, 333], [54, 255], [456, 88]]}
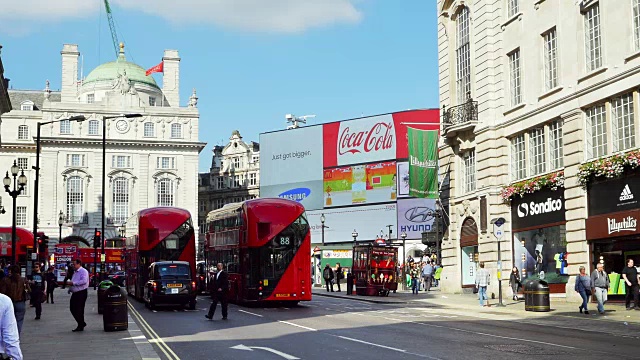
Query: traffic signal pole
{"points": [[96, 241]]}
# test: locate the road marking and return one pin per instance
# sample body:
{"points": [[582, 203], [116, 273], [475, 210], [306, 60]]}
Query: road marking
{"points": [[385, 347], [274, 351], [296, 325], [155, 338], [250, 313]]}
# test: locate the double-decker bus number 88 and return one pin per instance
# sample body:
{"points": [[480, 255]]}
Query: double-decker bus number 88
{"points": [[284, 240]]}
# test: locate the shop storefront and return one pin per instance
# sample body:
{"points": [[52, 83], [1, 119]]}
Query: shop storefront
{"points": [[612, 225], [539, 237]]}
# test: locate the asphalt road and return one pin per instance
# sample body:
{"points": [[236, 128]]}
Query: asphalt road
{"points": [[329, 328]]}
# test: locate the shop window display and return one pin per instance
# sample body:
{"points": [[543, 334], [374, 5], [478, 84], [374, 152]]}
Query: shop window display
{"points": [[542, 254], [469, 264]]}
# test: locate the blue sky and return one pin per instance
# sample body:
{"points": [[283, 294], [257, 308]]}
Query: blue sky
{"points": [[251, 61]]}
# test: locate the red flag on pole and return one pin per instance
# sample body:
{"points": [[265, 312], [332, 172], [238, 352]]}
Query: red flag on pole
{"points": [[157, 68]]}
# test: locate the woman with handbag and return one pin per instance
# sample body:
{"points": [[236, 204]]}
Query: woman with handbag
{"points": [[15, 287], [583, 287]]}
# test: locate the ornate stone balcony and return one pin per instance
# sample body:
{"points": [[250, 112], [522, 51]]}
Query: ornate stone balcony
{"points": [[460, 118]]}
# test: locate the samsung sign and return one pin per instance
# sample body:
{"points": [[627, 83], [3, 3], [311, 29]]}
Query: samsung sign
{"points": [[298, 194], [540, 208]]}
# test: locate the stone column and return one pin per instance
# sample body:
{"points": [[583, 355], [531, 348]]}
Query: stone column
{"points": [[171, 78], [69, 88]]}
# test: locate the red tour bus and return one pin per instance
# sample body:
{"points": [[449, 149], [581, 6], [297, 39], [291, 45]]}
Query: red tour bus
{"points": [[157, 234], [264, 244]]}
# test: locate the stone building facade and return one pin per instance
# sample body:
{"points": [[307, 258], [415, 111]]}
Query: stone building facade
{"points": [[533, 90], [151, 160], [234, 176]]}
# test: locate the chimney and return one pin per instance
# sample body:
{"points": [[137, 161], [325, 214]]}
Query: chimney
{"points": [[70, 56], [171, 77]]}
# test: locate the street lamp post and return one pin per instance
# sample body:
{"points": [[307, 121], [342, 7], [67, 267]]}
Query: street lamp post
{"points": [[355, 235], [36, 181], [104, 166], [19, 183], [60, 222], [404, 259], [322, 220]]}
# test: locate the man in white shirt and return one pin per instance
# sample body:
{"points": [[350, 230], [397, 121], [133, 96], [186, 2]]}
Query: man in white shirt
{"points": [[9, 338]]}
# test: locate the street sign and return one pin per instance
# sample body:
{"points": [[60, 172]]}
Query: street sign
{"points": [[498, 229], [34, 256]]}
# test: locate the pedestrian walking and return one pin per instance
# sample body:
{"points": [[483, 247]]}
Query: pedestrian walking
{"points": [[339, 275], [514, 282], [68, 275], [415, 278], [328, 276], [437, 274], [78, 291], [600, 286], [37, 284], [583, 287], [16, 288], [427, 275], [52, 283], [220, 286], [9, 335], [631, 281], [483, 278]]}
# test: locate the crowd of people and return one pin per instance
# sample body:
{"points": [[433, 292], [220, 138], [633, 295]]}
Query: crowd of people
{"points": [[424, 274]]}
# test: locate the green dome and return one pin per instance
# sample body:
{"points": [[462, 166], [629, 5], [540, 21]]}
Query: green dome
{"points": [[109, 72]]}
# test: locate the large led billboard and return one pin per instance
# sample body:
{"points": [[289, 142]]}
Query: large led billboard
{"points": [[415, 216], [360, 184], [367, 220]]}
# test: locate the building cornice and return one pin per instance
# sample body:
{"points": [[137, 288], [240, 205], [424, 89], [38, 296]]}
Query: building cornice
{"points": [[133, 143]]}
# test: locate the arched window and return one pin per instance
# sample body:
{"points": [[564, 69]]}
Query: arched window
{"points": [[149, 129], [463, 56], [165, 192], [75, 199], [120, 200], [176, 131], [23, 132]]}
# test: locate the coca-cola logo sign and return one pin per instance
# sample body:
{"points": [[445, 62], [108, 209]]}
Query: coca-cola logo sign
{"points": [[379, 137]]}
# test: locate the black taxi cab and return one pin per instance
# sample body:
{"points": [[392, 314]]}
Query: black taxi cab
{"points": [[170, 283]]}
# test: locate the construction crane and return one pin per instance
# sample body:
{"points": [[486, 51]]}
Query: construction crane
{"points": [[112, 26]]}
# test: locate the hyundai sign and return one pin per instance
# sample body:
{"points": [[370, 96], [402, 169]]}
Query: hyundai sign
{"points": [[415, 216], [540, 208]]}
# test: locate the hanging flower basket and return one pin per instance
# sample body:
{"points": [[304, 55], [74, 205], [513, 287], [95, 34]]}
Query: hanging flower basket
{"points": [[611, 167], [551, 181]]}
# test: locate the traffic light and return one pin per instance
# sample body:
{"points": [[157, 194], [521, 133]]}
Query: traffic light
{"points": [[97, 237], [41, 246]]}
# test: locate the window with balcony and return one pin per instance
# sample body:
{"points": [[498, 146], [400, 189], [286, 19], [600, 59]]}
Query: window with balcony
{"points": [[518, 158], [75, 199], [550, 60], [149, 129], [593, 38], [537, 146], [23, 132], [94, 127], [463, 56], [514, 75], [513, 7]]}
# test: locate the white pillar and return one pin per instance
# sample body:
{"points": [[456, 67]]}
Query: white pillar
{"points": [[69, 87], [171, 78]]}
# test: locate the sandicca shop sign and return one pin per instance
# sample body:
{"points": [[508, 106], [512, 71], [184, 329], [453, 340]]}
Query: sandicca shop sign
{"points": [[620, 224], [540, 208]]}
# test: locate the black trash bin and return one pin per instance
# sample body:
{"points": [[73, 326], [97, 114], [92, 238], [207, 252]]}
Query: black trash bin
{"points": [[540, 296], [115, 314], [349, 283], [102, 288], [528, 294]]}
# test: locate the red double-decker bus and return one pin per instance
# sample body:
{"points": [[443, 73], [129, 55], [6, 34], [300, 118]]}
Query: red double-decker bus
{"points": [[157, 234], [24, 243], [264, 245]]}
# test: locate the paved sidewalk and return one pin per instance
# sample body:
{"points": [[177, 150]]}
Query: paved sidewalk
{"points": [[615, 312], [52, 338]]}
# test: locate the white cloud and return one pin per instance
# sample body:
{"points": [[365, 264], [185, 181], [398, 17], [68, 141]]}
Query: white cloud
{"points": [[286, 16]]}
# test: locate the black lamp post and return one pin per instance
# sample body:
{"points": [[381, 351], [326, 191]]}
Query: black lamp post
{"points": [[36, 182], [19, 183], [104, 166], [354, 234], [60, 222], [322, 220]]}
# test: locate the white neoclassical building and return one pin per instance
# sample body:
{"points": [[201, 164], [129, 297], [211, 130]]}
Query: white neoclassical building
{"points": [[150, 160], [537, 96]]}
